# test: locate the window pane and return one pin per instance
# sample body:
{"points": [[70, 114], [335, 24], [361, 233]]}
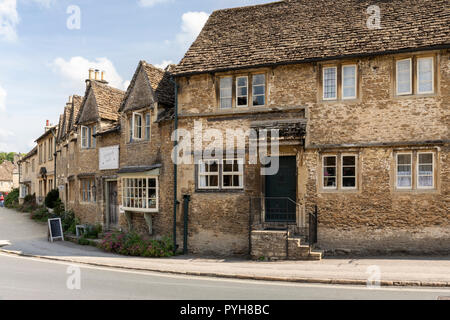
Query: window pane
{"points": [[329, 182], [330, 171], [425, 158], [226, 103], [425, 74], [329, 161], [242, 82], [227, 181], [349, 81], [226, 82], [213, 181], [258, 90], [329, 83], [259, 79], [425, 181], [404, 76], [258, 100], [349, 160], [349, 182], [349, 171], [242, 101], [404, 159], [425, 169], [404, 181]]}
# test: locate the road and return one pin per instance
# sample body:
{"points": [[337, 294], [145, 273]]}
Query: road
{"points": [[28, 278]]}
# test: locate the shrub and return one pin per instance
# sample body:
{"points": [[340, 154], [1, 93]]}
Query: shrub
{"points": [[93, 231], [30, 199], [133, 244], [69, 222], [40, 214], [12, 199], [51, 199], [84, 242], [59, 207]]}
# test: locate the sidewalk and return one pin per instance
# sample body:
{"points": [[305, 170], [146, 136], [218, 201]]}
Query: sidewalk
{"points": [[29, 238]]}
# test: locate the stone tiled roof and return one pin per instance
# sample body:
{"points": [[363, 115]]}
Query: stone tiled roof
{"points": [[29, 154], [60, 126], [294, 31], [160, 81], [74, 110], [108, 100], [6, 171], [65, 122]]}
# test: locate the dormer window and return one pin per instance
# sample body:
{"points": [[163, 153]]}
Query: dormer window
{"points": [[139, 126], [88, 141]]}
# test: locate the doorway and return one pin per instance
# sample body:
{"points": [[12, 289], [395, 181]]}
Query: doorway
{"points": [[281, 192], [112, 207]]}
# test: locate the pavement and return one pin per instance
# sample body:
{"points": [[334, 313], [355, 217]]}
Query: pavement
{"points": [[28, 238]]}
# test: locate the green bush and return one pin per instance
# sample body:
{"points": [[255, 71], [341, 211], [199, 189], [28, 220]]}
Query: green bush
{"points": [[41, 214], [133, 244], [30, 199], [84, 242], [12, 199], [58, 207], [69, 222], [52, 198], [93, 231]]}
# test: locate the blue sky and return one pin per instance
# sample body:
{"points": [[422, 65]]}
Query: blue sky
{"points": [[43, 62]]}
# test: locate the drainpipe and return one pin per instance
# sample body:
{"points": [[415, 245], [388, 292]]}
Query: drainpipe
{"points": [[187, 199], [175, 168], [55, 155]]}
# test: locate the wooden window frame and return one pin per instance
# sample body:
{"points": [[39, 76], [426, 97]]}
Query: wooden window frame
{"points": [[85, 137], [231, 92], [134, 126], [335, 83], [336, 166], [125, 188], [342, 81], [237, 92], [417, 175], [411, 89], [258, 85], [342, 171], [418, 75], [208, 174], [410, 153], [233, 173], [148, 126]]}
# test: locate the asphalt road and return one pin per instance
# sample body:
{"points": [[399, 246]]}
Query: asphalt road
{"points": [[28, 278]]}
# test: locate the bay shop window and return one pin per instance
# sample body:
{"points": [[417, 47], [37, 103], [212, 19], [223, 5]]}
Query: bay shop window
{"points": [[140, 194]]}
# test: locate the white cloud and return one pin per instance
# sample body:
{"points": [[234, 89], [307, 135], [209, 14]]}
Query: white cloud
{"points": [[9, 18], [191, 25], [2, 99], [164, 64], [151, 3], [76, 70]]}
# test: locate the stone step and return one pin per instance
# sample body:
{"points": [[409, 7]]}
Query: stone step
{"points": [[297, 251]]}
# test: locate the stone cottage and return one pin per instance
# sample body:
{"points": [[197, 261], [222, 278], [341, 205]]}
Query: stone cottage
{"points": [[361, 122], [28, 174], [145, 184]]}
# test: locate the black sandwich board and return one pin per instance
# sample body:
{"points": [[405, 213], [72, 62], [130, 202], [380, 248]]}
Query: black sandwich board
{"points": [[55, 229]]}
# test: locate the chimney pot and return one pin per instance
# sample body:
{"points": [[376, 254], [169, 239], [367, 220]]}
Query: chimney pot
{"points": [[91, 73], [103, 75], [96, 74], [47, 123], [70, 99]]}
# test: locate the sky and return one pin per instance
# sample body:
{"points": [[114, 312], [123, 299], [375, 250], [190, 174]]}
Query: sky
{"points": [[47, 47]]}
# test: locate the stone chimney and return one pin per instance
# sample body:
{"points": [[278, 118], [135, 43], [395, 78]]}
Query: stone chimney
{"points": [[48, 126]]}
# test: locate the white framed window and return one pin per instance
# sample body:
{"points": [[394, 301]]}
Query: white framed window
{"points": [[404, 76], [86, 190], [259, 89], [329, 173], [242, 91], [404, 170], [425, 75], [233, 174], [208, 174], [137, 126], [349, 81], [140, 194], [329, 83], [226, 92], [349, 171], [425, 170], [147, 126], [85, 140]]}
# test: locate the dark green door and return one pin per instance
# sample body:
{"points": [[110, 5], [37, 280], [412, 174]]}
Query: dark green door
{"points": [[281, 192]]}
